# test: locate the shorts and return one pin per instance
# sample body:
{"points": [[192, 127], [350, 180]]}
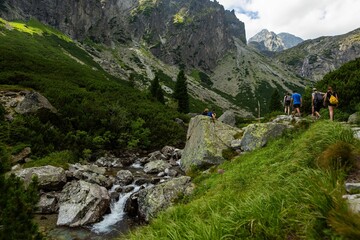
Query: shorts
{"points": [[287, 103], [296, 105], [317, 107]]}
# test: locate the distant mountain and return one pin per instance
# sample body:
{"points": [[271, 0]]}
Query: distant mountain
{"points": [[312, 59], [266, 41], [290, 40]]}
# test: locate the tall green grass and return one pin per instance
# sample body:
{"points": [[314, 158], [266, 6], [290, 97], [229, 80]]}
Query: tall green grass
{"points": [[276, 192]]}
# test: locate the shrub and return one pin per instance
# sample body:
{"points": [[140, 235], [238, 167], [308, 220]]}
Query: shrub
{"points": [[337, 156]]}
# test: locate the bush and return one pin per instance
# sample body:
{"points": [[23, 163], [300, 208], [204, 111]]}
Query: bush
{"points": [[337, 156]]}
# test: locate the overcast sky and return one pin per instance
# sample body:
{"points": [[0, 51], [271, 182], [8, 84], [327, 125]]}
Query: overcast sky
{"points": [[307, 19]]}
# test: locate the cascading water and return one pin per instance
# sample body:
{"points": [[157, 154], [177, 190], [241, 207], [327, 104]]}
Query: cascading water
{"points": [[117, 212]]}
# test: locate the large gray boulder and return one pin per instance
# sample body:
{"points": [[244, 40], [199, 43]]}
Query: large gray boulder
{"points": [[49, 177], [228, 117], [206, 139], [82, 203], [257, 135], [33, 102], [157, 198]]}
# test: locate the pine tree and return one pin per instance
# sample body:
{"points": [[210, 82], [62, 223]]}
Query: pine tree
{"points": [[180, 93], [275, 102], [156, 91], [17, 205]]}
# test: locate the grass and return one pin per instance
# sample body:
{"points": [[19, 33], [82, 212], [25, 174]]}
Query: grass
{"points": [[57, 159], [276, 192]]}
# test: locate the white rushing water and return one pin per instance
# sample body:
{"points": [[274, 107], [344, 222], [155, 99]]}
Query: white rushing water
{"points": [[117, 212]]}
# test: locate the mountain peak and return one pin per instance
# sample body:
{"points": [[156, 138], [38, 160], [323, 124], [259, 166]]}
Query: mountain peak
{"points": [[266, 41]]}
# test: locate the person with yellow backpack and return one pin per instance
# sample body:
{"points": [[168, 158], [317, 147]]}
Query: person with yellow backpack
{"points": [[331, 100]]}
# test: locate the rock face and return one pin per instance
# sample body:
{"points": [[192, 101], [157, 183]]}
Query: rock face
{"points": [[257, 135], [82, 203], [49, 177], [157, 198], [206, 27], [205, 141]]}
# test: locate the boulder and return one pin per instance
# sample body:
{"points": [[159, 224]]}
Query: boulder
{"points": [[205, 142], [33, 102], [353, 202], [354, 119], [228, 117], [156, 166], [257, 135], [49, 177], [82, 203], [157, 155], [91, 174], [47, 204], [125, 177], [109, 162], [157, 198]]}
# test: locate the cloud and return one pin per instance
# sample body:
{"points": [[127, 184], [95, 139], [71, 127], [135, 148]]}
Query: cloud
{"points": [[307, 19]]}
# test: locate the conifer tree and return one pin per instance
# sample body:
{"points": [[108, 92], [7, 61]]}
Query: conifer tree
{"points": [[17, 205], [156, 91], [275, 102], [180, 93]]}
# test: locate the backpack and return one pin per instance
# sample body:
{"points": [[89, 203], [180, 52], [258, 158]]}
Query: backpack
{"points": [[288, 98], [318, 98], [333, 100]]}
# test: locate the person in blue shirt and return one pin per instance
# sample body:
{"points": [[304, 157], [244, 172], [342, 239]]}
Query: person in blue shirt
{"points": [[296, 101]]}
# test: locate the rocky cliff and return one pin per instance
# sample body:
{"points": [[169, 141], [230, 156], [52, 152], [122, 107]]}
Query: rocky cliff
{"points": [[193, 33]]}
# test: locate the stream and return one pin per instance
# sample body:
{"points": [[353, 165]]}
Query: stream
{"points": [[112, 224]]}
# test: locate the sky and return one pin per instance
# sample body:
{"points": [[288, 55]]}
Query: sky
{"points": [[308, 19]]}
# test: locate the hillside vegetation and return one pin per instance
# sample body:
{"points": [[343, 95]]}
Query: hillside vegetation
{"points": [[95, 110], [291, 189]]}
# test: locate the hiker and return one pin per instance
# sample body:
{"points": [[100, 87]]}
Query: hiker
{"points": [[316, 103], [331, 100], [296, 101], [212, 114], [287, 103], [205, 112]]}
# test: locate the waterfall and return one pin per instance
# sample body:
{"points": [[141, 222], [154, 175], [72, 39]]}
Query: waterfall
{"points": [[117, 212]]}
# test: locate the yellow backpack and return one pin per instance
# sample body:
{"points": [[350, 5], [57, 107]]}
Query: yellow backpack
{"points": [[333, 100]]}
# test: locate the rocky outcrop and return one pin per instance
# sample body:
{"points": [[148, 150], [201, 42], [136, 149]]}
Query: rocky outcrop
{"points": [[24, 102], [49, 177], [354, 118], [154, 199], [205, 141], [82, 203], [34, 102]]}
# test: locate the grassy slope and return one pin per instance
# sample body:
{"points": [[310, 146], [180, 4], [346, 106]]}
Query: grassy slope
{"points": [[89, 100], [273, 193]]}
